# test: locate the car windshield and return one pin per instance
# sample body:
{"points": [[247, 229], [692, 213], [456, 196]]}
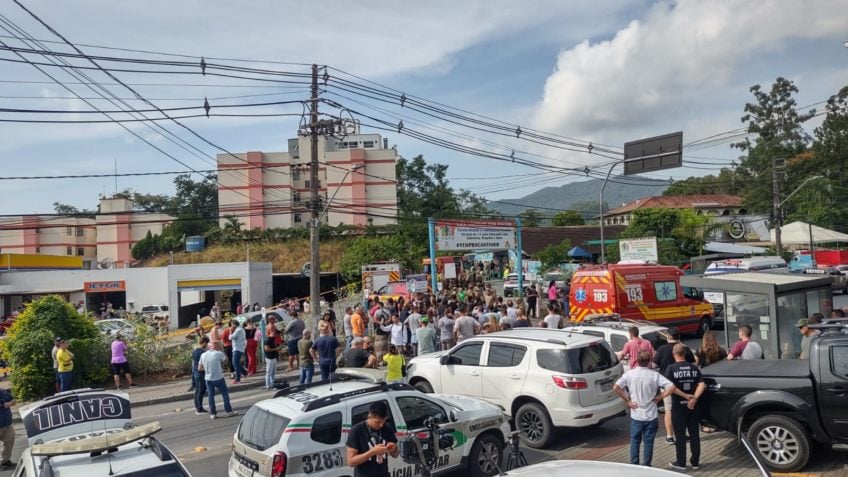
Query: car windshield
{"points": [[594, 357], [261, 429], [656, 338]]}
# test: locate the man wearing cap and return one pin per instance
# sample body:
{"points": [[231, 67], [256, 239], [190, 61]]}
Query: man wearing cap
{"points": [[807, 336]]}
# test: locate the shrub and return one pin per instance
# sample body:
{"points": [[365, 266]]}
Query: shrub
{"points": [[149, 354], [30, 341]]}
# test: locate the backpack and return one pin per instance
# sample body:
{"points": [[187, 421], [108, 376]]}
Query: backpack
{"points": [[752, 350]]}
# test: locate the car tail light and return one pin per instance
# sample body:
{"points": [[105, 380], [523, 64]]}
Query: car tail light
{"points": [[570, 382], [278, 466]]}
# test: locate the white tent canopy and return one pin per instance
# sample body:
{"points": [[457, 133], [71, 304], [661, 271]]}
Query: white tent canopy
{"points": [[721, 247], [798, 233]]}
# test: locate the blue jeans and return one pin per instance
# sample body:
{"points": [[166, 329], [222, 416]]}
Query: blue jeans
{"points": [[199, 378], [270, 371], [326, 369], [348, 341], [237, 367], [65, 378], [639, 431], [306, 373], [220, 385]]}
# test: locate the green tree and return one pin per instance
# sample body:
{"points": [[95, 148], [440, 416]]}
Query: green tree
{"points": [[28, 346], [70, 210], [725, 182], [568, 217], [530, 218], [779, 134], [679, 233], [554, 254]]}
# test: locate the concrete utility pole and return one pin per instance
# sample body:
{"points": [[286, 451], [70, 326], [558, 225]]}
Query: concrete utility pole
{"points": [[315, 208], [776, 202]]}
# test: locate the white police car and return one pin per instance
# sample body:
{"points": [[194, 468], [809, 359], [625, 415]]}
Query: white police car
{"points": [[89, 432], [302, 430]]}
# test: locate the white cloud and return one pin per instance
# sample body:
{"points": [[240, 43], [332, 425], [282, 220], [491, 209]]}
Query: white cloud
{"points": [[676, 64]]}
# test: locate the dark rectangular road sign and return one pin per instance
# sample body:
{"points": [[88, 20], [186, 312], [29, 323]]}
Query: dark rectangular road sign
{"points": [[653, 154]]}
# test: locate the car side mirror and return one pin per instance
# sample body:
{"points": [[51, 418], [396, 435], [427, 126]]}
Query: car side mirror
{"points": [[454, 417], [445, 359]]}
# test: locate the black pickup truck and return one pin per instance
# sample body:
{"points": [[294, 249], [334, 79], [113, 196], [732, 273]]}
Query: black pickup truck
{"points": [[783, 406]]}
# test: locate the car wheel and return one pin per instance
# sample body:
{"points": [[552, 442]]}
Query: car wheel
{"points": [[703, 326], [781, 442], [486, 455], [535, 425], [423, 386]]}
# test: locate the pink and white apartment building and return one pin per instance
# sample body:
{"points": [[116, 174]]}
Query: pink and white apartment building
{"points": [[107, 238], [272, 189]]}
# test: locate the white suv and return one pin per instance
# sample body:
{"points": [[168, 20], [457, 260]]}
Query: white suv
{"points": [[618, 333], [303, 429], [542, 378]]}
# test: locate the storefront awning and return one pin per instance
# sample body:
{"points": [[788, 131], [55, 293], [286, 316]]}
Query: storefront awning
{"points": [[209, 285]]}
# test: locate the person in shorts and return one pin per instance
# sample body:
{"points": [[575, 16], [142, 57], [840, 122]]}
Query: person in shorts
{"points": [[120, 364]]}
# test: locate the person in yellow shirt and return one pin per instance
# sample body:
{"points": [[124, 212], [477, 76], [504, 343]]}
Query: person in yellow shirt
{"points": [[395, 363], [66, 365]]}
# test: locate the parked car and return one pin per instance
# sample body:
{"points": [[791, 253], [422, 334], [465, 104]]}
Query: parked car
{"points": [[156, 315], [393, 290], [784, 406], [839, 281], [302, 430], [510, 286], [111, 326], [543, 379], [616, 331], [79, 443]]}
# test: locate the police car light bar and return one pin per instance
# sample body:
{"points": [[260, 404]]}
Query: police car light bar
{"points": [[96, 444]]}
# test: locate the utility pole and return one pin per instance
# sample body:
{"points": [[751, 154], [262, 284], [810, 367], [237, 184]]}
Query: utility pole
{"points": [[776, 201], [315, 208]]}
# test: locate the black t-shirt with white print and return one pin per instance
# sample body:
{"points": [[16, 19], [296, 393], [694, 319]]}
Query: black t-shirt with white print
{"points": [[362, 438]]}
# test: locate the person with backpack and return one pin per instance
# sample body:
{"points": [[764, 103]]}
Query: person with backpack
{"points": [[633, 346], [745, 348]]}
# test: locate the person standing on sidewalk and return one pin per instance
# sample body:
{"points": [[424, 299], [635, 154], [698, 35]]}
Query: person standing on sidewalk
{"points": [[7, 430], [250, 334], [212, 363], [684, 410], [120, 364], [426, 337], [198, 375], [348, 328], [239, 340], [56, 362], [272, 353], [307, 365], [294, 330], [66, 365], [465, 327], [663, 358], [638, 387], [324, 350]]}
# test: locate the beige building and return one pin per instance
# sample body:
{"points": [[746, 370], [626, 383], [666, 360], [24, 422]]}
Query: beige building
{"points": [[710, 205], [272, 189], [107, 238]]}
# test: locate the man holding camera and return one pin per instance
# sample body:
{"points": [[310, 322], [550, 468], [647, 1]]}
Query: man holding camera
{"points": [[371, 442]]}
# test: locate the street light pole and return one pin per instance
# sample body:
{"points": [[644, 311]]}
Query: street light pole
{"points": [[778, 211], [601, 209], [315, 207]]}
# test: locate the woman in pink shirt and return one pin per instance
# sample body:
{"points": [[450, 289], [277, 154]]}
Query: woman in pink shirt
{"points": [[119, 362]]}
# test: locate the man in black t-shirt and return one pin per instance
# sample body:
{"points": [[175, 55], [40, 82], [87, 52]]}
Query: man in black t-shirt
{"points": [[271, 354], [684, 411], [357, 356], [663, 358], [371, 442]]}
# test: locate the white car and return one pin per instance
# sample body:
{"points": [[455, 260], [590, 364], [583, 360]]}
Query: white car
{"points": [[542, 378], [617, 333], [110, 327], [302, 430], [72, 433]]}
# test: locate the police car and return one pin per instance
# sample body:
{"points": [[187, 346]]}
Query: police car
{"points": [[303, 429], [89, 432]]}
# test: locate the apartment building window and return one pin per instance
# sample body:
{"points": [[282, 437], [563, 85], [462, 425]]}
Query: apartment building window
{"points": [[80, 232], [297, 219], [69, 251], [307, 183], [80, 251], [368, 144], [295, 173], [70, 231], [296, 197]]}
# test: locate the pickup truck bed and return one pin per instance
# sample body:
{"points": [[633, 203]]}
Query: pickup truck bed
{"points": [[759, 368]]}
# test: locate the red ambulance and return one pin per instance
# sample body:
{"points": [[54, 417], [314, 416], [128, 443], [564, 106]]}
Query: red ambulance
{"points": [[639, 292]]}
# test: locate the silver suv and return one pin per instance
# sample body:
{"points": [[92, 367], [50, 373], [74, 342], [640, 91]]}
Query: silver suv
{"points": [[542, 378]]}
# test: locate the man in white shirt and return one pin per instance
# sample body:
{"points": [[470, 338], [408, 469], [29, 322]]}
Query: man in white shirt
{"points": [[553, 319], [348, 328], [212, 363], [640, 389], [413, 322], [465, 327], [239, 339]]}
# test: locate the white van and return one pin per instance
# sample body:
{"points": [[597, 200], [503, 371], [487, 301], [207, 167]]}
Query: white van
{"points": [[753, 264]]}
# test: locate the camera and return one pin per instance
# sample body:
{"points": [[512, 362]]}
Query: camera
{"points": [[422, 447]]}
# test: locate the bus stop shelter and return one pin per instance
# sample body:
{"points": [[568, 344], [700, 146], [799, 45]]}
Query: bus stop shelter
{"points": [[771, 304]]}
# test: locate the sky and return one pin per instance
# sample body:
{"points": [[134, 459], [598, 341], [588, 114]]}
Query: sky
{"points": [[603, 72]]}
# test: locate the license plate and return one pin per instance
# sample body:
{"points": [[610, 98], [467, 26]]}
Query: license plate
{"points": [[606, 385], [243, 471]]}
